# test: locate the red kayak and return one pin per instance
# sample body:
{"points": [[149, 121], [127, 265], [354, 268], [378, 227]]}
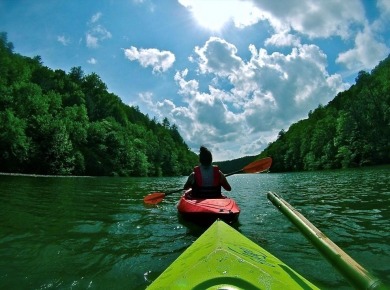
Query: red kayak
{"points": [[208, 209]]}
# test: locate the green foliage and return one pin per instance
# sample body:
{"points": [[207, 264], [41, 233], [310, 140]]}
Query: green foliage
{"points": [[53, 122], [14, 144], [352, 130]]}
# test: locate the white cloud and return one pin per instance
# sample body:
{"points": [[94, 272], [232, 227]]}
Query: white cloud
{"points": [[325, 19], [63, 40], [161, 61], [186, 88], [266, 92], [92, 61], [97, 33], [308, 17], [96, 17], [384, 6], [367, 52], [283, 39], [219, 57], [313, 18], [92, 41], [295, 19]]}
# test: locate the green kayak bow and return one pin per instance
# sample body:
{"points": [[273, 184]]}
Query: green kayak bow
{"points": [[222, 258]]}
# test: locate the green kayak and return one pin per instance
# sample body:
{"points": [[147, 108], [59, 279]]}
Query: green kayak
{"points": [[222, 258]]}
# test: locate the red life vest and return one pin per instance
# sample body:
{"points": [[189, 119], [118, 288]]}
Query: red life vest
{"points": [[203, 187]]}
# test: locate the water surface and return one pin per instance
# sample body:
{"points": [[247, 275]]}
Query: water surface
{"points": [[96, 233]]}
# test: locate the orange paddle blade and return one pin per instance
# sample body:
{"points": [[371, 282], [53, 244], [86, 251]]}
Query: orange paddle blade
{"points": [[258, 165], [154, 198]]}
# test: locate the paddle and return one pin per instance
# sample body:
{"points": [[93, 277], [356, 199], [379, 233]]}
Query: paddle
{"points": [[157, 197], [253, 167]]}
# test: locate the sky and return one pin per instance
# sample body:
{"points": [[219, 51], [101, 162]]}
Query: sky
{"points": [[231, 74]]}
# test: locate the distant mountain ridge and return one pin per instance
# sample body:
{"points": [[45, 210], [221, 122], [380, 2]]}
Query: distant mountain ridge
{"points": [[235, 164]]}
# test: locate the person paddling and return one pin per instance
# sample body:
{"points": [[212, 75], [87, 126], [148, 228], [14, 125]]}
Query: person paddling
{"points": [[206, 180]]}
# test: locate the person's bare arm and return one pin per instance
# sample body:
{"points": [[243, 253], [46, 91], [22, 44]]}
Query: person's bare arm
{"points": [[189, 182], [224, 183]]}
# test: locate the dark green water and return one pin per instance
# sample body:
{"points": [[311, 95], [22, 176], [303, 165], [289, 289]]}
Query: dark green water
{"points": [[96, 233]]}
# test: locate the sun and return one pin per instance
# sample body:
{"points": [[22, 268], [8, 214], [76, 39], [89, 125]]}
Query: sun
{"points": [[212, 14]]}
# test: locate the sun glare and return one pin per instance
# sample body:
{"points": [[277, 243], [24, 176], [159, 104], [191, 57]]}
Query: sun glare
{"points": [[212, 14]]}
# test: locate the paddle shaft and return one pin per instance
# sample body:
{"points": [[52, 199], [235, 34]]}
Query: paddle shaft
{"points": [[349, 268], [173, 191], [235, 172]]}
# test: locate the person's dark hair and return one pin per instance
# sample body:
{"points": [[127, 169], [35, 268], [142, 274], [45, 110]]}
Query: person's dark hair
{"points": [[205, 156]]}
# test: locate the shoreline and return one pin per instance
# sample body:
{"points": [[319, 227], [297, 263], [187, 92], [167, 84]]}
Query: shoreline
{"points": [[41, 175]]}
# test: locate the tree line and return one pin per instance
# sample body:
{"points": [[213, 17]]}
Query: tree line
{"points": [[53, 122], [350, 131]]}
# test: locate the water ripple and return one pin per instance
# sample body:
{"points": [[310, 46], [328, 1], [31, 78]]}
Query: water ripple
{"points": [[89, 232]]}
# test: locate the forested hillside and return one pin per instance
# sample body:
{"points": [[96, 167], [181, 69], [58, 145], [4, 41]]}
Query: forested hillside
{"points": [[352, 130], [53, 122]]}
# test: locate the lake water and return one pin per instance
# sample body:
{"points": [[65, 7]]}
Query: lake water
{"points": [[96, 233]]}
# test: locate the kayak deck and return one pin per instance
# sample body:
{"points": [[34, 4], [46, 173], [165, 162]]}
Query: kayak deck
{"points": [[222, 258], [208, 210]]}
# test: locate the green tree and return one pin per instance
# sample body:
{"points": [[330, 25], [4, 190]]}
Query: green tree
{"points": [[14, 144], [60, 157], [53, 122]]}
